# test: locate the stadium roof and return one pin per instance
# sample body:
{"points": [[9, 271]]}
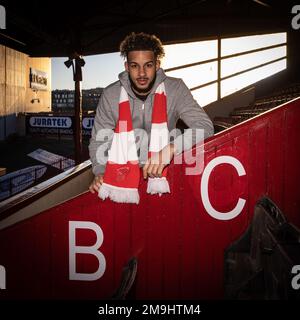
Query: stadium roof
{"points": [[54, 29]]}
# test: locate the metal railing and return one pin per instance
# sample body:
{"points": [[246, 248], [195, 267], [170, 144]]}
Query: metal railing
{"points": [[18, 183]]}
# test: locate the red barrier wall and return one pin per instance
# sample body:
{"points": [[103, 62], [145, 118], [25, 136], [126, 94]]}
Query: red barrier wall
{"points": [[178, 244]]}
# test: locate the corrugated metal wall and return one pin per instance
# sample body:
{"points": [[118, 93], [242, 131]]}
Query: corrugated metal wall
{"points": [[2, 81], [13, 74], [15, 92]]}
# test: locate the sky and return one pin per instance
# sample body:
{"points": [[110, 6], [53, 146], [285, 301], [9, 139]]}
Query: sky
{"points": [[102, 70], [99, 71]]}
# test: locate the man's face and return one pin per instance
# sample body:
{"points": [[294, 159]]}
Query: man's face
{"points": [[142, 67]]}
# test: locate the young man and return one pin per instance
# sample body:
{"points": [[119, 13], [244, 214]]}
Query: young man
{"points": [[141, 81]]}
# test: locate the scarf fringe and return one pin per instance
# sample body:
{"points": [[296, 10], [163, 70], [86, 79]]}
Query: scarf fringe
{"points": [[158, 186], [120, 195]]}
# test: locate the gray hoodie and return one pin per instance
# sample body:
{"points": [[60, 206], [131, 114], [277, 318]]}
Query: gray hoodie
{"points": [[180, 104]]}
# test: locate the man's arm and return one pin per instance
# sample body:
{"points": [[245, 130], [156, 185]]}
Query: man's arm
{"points": [[154, 166], [103, 120], [194, 117]]}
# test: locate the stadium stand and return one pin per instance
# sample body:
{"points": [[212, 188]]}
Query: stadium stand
{"points": [[261, 105]]}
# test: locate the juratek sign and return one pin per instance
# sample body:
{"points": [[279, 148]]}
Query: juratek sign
{"points": [[51, 122]]}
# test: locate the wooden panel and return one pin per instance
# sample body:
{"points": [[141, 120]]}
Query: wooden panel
{"points": [[178, 242], [240, 150], [121, 238], [275, 165], [60, 283], [291, 142], [139, 239], [172, 250], [191, 206], [42, 264], [103, 216], [257, 162]]}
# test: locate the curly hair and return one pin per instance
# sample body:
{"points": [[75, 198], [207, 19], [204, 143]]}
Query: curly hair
{"points": [[142, 41]]}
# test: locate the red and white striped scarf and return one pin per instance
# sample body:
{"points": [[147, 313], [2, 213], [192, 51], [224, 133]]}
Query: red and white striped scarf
{"points": [[122, 173]]}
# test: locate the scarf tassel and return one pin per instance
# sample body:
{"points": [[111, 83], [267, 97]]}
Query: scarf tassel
{"points": [[120, 195], [158, 186]]}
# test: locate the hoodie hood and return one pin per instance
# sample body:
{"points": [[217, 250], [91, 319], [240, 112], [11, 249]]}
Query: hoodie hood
{"points": [[125, 82]]}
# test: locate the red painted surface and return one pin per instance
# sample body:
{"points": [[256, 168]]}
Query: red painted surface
{"points": [[179, 246]]}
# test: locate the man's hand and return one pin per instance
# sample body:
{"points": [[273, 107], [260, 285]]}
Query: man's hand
{"points": [[154, 166], [95, 185]]}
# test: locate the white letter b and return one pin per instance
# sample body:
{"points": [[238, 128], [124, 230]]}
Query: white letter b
{"points": [[73, 250]]}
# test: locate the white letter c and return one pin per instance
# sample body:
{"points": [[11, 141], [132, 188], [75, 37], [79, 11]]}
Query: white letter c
{"points": [[204, 188]]}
